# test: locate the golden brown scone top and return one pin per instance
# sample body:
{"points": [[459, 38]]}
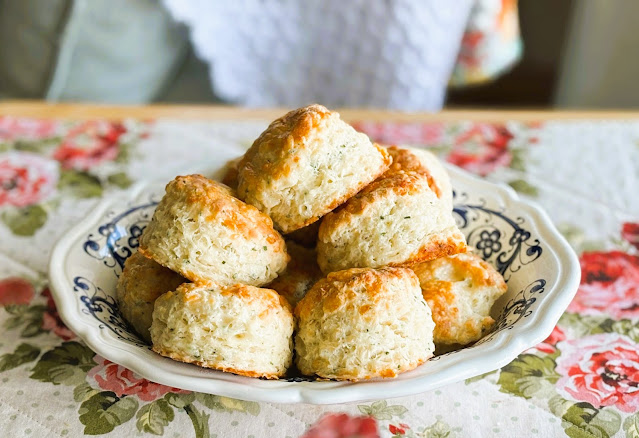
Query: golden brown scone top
{"points": [[341, 287], [266, 298], [282, 137], [438, 278], [405, 160], [269, 298], [401, 183], [243, 218], [464, 265]]}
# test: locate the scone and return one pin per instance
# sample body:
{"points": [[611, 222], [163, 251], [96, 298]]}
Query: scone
{"points": [[141, 282], [230, 176], [363, 323], [426, 163], [239, 329], [300, 275], [202, 231], [305, 164], [396, 220], [460, 291]]}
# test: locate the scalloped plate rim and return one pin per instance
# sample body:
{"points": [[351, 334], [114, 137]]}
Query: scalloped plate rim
{"points": [[506, 346]]}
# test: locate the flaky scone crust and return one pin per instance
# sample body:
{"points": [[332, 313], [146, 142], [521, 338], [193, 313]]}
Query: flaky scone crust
{"points": [[272, 155]]}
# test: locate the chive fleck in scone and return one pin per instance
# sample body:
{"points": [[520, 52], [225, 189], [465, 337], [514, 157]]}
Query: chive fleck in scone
{"points": [[300, 275], [397, 220], [305, 164], [424, 162], [202, 231], [460, 291], [239, 329], [363, 323], [139, 285]]}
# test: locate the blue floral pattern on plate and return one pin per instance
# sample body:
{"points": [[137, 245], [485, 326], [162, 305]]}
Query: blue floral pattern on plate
{"points": [[499, 238]]}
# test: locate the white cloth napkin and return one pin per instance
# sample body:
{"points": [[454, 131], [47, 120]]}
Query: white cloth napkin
{"points": [[386, 54]]}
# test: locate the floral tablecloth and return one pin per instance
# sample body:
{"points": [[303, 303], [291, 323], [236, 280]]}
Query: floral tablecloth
{"points": [[583, 381]]}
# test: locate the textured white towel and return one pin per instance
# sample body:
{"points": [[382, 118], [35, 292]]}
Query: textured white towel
{"points": [[359, 53]]}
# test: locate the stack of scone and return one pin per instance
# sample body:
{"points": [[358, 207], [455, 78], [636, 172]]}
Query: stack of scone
{"points": [[370, 258]]}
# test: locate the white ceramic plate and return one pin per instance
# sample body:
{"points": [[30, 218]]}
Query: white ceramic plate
{"points": [[515, 236]]}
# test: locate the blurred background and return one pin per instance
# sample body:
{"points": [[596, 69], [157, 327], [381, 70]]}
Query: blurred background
{"points": [[406, 55]]}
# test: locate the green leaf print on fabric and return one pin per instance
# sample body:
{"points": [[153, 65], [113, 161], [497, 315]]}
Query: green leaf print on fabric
{"points": [[582, 325], [84, 392], [528, 376], [582, 420], [577, 239], [623, 327], [226, 404], [120, 180], [104, 411], [67, 364], [24, 353], [439, 429], [631, 426], [200, 421], [25, 221], [36, 146], [381, 411], [479, 377], [30, 317], [523, 186], [518, 161], [154, 417], [179, 401], [80, 184], [124, 153]]}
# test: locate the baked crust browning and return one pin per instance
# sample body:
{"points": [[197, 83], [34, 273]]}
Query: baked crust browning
{"points": [[460, 291], [213, 365], [407, 161], [240, 329], [202, 231], [363, 323], [231, 174], [397, 220], [426, 163], [305, 164], [141, 282]]}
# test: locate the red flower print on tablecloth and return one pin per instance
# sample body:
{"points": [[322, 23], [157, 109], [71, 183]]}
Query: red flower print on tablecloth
{"points": [[26, 178], [343, 426], [122, 381], [548, 345], [428, 134], [17, 128], [89, 144], [398, 430], [51, 319], [602, 370], [609, 285], [630, 233], [482, 149], [15, 290]]}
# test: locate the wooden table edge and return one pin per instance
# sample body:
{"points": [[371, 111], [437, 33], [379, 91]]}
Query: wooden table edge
{"points": [[39, 109]]}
